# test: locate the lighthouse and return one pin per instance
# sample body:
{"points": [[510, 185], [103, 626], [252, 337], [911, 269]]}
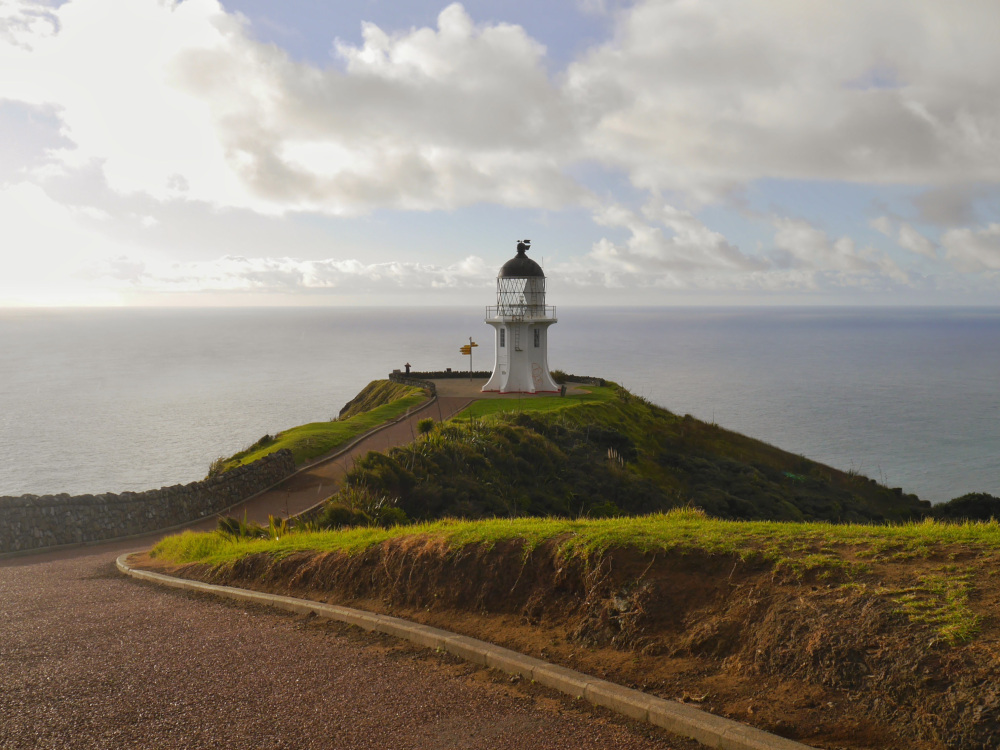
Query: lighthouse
{"points": [[521, 321]]}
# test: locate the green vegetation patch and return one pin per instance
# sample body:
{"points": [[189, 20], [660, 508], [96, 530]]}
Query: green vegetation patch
{"points": [[488, 407], [377, 393], [941, 600], [607, 453], [938, 599], [937, 596], [312, 440]]}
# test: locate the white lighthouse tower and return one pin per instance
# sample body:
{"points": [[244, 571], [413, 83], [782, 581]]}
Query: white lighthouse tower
{"points": [[521, 319]]}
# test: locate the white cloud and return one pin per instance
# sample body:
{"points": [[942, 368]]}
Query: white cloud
{"points": [[703, 95], [912, 240], [882, 224], [22, 22], [973, 250], [186, 105], [906, 236], [801, 245], [665, 239], [670, 248], [270, 275], [107, 67], [176, 102]]}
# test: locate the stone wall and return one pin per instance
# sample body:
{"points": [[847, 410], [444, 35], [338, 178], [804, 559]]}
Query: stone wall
{"points": [[423, 379], [32, 521], [397, 377]]}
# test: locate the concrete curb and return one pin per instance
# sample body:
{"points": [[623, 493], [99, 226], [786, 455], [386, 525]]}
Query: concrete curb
{"points": [[679, 718]]}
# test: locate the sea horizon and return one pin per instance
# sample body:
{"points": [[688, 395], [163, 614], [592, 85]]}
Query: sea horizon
{"points": [[109, 399]]}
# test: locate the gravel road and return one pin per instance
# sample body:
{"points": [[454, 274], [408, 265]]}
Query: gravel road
{"points": [[92, 659]]}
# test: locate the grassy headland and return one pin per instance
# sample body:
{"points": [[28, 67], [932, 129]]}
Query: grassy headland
{"points": [[377, 393], [382, 399], [610, 453], [610, 535]]}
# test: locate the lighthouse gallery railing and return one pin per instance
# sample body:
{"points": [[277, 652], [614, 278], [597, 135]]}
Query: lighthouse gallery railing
{"points": [[521, 311]]}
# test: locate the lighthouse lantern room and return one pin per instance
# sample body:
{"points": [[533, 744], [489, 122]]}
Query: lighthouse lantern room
{"points": [[521, 320]]}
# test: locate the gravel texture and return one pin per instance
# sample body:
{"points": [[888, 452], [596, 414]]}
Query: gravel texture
{"points": [[92, 659]]}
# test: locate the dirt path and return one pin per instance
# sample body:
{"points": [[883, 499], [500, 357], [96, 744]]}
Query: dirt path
{"points": [[306, 488]]}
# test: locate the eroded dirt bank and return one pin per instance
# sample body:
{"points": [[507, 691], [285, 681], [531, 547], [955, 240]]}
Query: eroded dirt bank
{"points": [[833, 657]]}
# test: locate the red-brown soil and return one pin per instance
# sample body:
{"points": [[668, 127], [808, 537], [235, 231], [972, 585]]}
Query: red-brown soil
{"points": [[828, 664]]}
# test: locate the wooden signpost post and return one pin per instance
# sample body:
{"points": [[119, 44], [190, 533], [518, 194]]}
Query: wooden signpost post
{"points": [[467, 349]]}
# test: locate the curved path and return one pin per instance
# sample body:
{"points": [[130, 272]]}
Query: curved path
{"points": [[320, 479], [92, 659]]}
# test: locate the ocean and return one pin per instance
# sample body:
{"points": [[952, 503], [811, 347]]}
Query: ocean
{"points": [[97, 400]]}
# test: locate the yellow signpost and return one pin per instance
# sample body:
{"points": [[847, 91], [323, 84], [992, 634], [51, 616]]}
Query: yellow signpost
{"points": [[467, 349]]}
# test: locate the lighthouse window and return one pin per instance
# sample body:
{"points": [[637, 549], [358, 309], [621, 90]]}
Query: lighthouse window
{"points": [[538, 338], [503, 337]]}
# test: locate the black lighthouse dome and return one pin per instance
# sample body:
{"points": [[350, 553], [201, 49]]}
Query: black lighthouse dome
{"points": [[521, 266]]}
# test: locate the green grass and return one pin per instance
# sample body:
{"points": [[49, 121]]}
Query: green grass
{"points": [[375, 394], [309, 441], [678, 530], [941, 600], [512, 404], [831, 552]]}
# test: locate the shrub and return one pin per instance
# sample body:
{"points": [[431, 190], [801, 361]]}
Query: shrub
{"points": [[425, 425], [337, 515], [357, 505], [975, 506], [244, 529], [217, 467], [605, 510], [390, 516]]}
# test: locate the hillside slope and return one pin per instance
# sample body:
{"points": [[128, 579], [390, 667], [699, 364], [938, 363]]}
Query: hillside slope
{"points": [[378, 402], [611, 456], [377, 393]]}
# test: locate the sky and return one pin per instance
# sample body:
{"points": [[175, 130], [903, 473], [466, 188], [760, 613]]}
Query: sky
{"points": [[656, 152]]}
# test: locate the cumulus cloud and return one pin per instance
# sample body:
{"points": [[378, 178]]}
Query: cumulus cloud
{"points": [[800, 245], [973, 250], [695, 96], [22, 21], [187, 105], [703, 95], [664, 239], [906, 236], [915, 242], [672, 249], [176, 102]]}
